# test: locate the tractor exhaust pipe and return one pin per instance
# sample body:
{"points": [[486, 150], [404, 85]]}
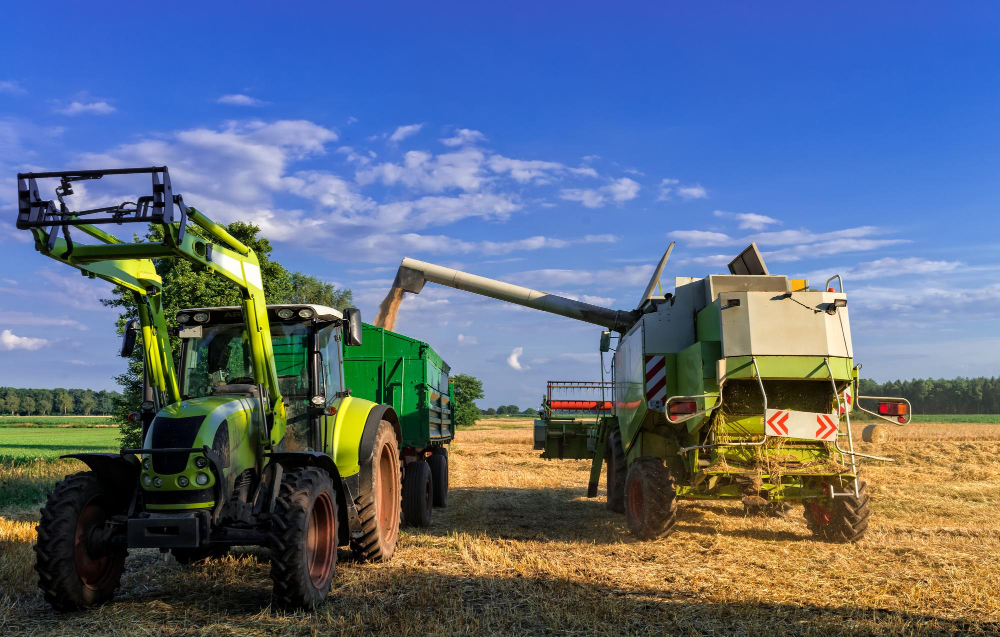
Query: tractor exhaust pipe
{"points": [[413, 274]]}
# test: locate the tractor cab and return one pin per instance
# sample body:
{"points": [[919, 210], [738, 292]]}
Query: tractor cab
{"points": [[216, 360]]}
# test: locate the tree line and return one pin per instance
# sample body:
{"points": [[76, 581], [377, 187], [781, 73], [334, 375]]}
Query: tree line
{"points": [[509, 410], [941, 395], [15, 401]]}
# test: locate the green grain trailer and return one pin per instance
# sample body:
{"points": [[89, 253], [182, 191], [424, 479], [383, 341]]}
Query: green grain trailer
{"points": [[409, 375]]}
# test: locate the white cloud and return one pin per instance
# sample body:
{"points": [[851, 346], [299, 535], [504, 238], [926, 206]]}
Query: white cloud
{"points": [[9, 341], [352, 120], [467, 340], [748, 220], [692, 192], [800, 243], [885, 268], [619, 191], [464, 136], [513, 359], [630, 275], [96, 108], [239, 99], [421, 170], [590, 158], [535, 170], [11, 88], [37, 320], [403, 132], [353, 157]]}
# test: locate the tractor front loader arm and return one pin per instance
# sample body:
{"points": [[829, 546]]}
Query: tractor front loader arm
{"points": [[131, 266]]}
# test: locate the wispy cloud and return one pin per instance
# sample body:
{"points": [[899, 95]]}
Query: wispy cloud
{"points": [[11, 87], [670, 187], [748, 220], [240, 99], [618, 191], [464, 136], [10, 341], [92, 108], [403, 132], [795, 244]]}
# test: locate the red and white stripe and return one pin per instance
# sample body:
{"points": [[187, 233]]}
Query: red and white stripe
{"points": [[656, 379]]}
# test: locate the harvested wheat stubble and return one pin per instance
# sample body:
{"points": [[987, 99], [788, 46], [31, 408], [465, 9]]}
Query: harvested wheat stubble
{"points": [[388, 309], [519, 549]]}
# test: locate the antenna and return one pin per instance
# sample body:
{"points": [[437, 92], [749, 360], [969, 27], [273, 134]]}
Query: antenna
{"points": [[648, 294]]}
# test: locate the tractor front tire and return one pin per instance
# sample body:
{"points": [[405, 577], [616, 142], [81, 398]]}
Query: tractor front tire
{"points": [[379, 508], [650, 499], [617, 471], [844, 520], [303, 538], [77, 567], [418, 494], [439, 475]]}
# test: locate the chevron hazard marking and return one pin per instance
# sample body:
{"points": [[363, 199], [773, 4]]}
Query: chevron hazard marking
{"points": [[788, 423]]}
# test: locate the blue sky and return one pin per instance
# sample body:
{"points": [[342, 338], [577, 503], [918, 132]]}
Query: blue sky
{"points": [[557, 145]]}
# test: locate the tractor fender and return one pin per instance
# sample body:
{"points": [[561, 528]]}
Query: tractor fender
{"points": [[116, 469]]}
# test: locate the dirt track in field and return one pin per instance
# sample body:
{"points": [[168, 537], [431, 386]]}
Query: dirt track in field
{"points": [[521, 550]]}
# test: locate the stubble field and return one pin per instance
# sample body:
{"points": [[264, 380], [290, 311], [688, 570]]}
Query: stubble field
{"points": [[520, 549]]}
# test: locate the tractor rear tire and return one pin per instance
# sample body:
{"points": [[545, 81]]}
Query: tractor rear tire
{"points": [[439, 475], [418, 494], [650, 499], [380, 508], [843, 521], [303, 538], [187, 556], [617, 471], [76, 568]]}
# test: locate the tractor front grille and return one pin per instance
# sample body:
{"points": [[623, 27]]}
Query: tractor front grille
{"points": [[173, 432]]}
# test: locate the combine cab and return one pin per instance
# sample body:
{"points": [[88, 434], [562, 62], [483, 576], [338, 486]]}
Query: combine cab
{"points": [[735, 387]]}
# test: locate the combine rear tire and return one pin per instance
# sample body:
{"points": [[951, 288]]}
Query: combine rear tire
{"points": [[418, 494], [78, 565], [379, 508], [844, 520], [439, 475], [650, 499], [303, 538], [617, 471]]}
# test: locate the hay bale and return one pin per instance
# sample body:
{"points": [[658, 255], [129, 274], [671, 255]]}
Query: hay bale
{"points": [[876, 434]]}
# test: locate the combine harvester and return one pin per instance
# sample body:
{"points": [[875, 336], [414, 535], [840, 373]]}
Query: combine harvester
{"points": [[256, 441], [733, 387]]}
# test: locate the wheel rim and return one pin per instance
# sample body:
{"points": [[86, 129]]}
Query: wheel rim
{"points": [[387, 487], [635, 503], [821, 514], [94, 572], [320, 541]]}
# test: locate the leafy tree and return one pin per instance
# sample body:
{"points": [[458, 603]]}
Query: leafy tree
{"points": [[531, 411], [468, 389], [43, 402], [491, 412], [87, 403], [63, 401], [186, 284], [11, 401], [28, 405]]}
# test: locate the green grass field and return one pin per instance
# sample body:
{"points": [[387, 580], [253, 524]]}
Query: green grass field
{"points": [[28, 443], [55, 421]]}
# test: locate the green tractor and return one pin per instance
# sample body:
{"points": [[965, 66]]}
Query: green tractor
{"points": [[257, 441]]}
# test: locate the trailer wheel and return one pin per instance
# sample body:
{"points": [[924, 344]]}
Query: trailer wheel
{"points": [[303, 538], [844, 520], [379, 508], [617, 471], [439, 475], [650, 499], [418, 494], [78, 564]]}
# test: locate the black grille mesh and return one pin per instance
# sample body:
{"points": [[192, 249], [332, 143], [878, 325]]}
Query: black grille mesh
{"points": [[173, 432]]}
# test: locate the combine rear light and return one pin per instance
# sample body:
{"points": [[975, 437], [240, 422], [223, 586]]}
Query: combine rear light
{"points": [[893, 409], [682, 407]]}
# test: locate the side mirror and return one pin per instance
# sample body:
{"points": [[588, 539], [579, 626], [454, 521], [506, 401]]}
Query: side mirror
{"points": [[352, 335], [128, 338]]}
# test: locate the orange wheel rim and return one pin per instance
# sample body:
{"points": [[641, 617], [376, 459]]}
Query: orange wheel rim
{"points": [[95, 571], [387, 491], [321, 545]]}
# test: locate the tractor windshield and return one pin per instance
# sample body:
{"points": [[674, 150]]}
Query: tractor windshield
{"points": [[222, 356]]}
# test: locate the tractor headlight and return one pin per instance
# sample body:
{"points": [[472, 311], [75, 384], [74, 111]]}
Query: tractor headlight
{"points": [[183, 481], [305, 313], [285, 313], [157, 482], [146, 463], [201, 462], [201, 317], [183, 318], [201, 479], [146, 480]]}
